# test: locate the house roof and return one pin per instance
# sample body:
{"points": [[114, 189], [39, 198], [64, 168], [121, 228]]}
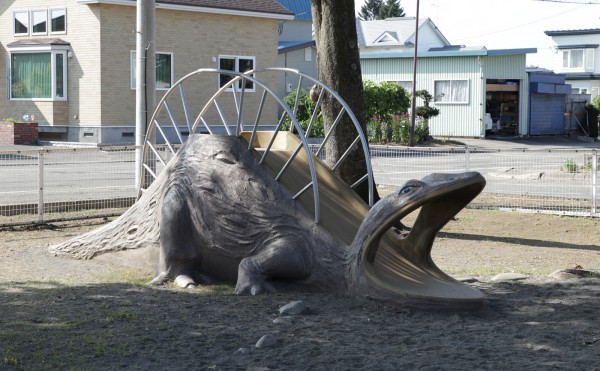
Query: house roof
{"points": [[451, 51], [290, 46], [301, 8], [391, 31], [253, 8], [37, 42], [589, 31]]}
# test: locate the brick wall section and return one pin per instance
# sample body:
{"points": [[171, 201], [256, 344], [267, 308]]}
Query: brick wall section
{"points": [[23, 133]]}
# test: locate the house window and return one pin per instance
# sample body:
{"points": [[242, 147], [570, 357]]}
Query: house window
{"points": [[58, 21], [164, 70], [39, 22], [21, 22], [573, 58], [238, 64], [38, 75], [578, 59], [451, 91], [307, 54]]}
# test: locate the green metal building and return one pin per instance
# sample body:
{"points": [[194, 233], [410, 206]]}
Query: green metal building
{"points": [[467, 83]]}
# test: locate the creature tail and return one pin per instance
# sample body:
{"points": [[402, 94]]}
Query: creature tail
{"points": [[136, 228]]}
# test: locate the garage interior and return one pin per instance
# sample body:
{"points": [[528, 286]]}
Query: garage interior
{"points": [[502, 105]]}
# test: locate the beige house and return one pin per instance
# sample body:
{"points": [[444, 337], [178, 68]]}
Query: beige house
{"points": [[70, 64]]}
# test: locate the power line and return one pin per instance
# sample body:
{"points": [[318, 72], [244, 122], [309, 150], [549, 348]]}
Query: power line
{"points": [[528, 23]]}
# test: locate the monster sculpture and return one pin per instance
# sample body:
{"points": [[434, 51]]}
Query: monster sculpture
{"points": [[215, 213]]}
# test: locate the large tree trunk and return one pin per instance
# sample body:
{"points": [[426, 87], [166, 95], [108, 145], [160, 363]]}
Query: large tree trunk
{"points": [[338, 66]]}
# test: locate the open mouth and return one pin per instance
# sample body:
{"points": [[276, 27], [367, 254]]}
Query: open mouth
{"points": [[400, 264]]}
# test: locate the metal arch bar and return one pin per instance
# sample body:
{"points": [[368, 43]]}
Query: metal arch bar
{"points": [[313, 117], [348, 150], [363, 138], [222, 117], [156, 154], [288, 162], [330, 132], [173, 122], [185, 108], [205, 125], [297, 100], [272, 140], [258, 114], [212, 99], [150, 171], [302, 191], [239, 124], [358, 182], [163, 135]]}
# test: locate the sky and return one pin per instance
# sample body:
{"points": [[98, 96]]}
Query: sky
{"points": [[506, 24]]}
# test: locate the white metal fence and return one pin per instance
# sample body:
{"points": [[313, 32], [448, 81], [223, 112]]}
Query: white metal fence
{"points": [[50, 184], [550, 181]]}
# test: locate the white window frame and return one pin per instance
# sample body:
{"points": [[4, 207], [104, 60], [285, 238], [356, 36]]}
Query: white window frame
{"points": [[589, 59], [53, 50], [15, 20], [237, 69], [437, 94], [569, 54], [31, 21], [50, 21], [133, 68]]}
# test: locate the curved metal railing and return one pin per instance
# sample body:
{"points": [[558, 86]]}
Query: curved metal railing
{"points": [[165, 120]]}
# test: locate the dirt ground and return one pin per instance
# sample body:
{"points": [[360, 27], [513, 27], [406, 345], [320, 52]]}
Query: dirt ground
{"points": [[60, 313]]}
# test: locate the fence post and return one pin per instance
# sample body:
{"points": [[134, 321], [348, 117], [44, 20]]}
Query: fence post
{"points": [[41, 186], [594, 179], [467, 158]]}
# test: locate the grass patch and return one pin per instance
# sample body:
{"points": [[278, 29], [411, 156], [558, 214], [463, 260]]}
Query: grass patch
{"points": [[128, 276]]}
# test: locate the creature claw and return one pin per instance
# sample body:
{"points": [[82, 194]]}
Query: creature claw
{"points": [[160, 279], [254, 288]]}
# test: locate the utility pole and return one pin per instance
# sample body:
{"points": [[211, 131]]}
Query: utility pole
{"points": [[145, 62], [414, 83]]}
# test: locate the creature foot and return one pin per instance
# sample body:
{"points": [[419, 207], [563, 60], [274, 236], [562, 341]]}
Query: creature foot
{"points": [[253, 287], [185, 281]]}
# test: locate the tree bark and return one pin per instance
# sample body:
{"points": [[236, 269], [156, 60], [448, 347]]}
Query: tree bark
{"points": [[338, 66]]}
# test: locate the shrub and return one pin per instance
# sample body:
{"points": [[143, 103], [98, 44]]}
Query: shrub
{"points": [[384, 100], [305, 110]]}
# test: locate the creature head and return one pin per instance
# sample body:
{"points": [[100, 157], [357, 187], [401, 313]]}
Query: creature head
{"points": [[393, 266]]}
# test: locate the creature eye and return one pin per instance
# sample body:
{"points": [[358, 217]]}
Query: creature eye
{"points": [[405, 190], [225, 157]]}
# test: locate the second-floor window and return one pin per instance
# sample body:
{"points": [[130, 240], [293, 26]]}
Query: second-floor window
{"points": [[578, 59], [40, 22], [21, 23]]}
